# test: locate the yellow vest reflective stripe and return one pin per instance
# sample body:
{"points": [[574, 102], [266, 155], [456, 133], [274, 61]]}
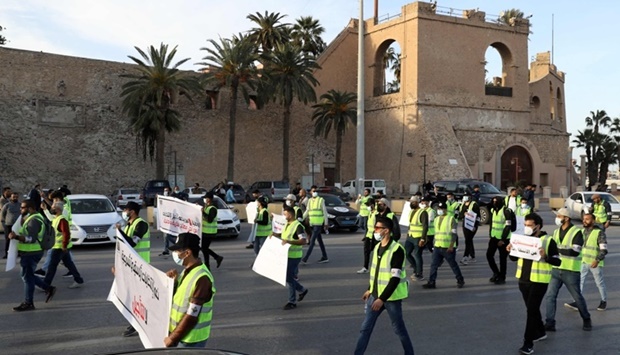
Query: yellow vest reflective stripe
{"points": [[370, 225], [385, 272], [143, 248], [59, 238], [296, 209], [180, 303], [498, 223], [364, 212], [209, 228], [35, 246], [452, 207], [415, 225], [294, 251], [600, 213], [263, 230], [541, 270], [443, 231], [570, 263], [315, 211], [431, 218], [590, 247]]}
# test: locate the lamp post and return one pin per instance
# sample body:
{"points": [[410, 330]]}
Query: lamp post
{"points": [[515, 161], [360, 134]]}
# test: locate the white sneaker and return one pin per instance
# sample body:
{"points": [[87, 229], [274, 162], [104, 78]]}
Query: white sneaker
{"points": [[472, 260], [463, 261], [362, 271], [75, 285]]}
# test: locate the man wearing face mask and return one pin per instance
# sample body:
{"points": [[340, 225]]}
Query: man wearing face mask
{"points": [[469, 256], [209, 230], [369, 241], [289, 201], [520, 213], [444, 248], [364, 212], [192, 302], [452, 206], [570, 245], [294, 235], [383, 210], [416, 239], [317, 218], [425, 205], [503, 222], [534, 277], [176, 193], [602, 212], [387, 287], [263, 224]]}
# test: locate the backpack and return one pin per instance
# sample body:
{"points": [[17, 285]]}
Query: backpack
{"points": [[49, 235]]}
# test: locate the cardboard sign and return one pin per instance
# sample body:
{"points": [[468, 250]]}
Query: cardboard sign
{"points": [[525, 247]]}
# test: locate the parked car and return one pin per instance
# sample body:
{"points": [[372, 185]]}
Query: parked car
{"points": [[194, 194], [459, 187], [93, 219], [333, 190], [274, 190], [375, 185], [152, 188], [339, 214], [238, 192], [228, 224], [121, 196], [578, 202]]}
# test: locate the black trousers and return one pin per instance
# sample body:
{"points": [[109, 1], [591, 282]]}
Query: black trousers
{"points": [[469, 242], [533, 294], [369, 245], [206, 250], [503, 256]]}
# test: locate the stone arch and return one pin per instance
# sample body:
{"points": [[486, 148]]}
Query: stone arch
{"points": [[387, 66], [560, 104], [500, 86], [517, 167]]}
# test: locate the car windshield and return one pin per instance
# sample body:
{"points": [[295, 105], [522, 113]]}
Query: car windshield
{"points": [[219, 203], [332, 201], [380, 183], [129, 192], [91, 205], [280, 185], [604, 197], [158, 184], [487, 189]]}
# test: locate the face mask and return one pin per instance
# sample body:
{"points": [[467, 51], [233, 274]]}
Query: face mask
{"points": [[440, 212], [369, 208], [451, 199], [289, 203], [380, 208], [166, 193], [204, 200], [528, 230], [422, 205], [315, 194], [14, 200], [558, 221], [465, 198], [125, 216], [377, 236], [176, 258]]}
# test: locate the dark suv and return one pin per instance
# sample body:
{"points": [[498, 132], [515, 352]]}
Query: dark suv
{"points": [[152, 188], [459, 187]]}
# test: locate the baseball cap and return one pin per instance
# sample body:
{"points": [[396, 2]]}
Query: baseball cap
{"points": [[291, 197], [186, 241], [562, 212], [414, 199]]}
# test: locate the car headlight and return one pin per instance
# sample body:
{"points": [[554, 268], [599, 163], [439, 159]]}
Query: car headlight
{"points": [[331, 216], [235, 218], [73, 227]]}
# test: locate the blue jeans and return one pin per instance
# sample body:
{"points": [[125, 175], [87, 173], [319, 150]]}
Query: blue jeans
{"points": [[28, 262], [395, 311], [316, 235], [363, 222], [258, 243], [55, 256], [46, 263], [571, 280], [293, 285], [200, 344], [597, 274], [415, 260], [438, 255]]}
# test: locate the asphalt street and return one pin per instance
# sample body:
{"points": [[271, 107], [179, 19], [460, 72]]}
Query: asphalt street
{"points": [[481, 318]]}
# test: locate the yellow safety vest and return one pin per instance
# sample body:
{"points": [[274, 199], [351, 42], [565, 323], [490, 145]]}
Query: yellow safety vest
{"points": [[69, 215], [36, 246], [570, 263], [523, 212], [385, 272], [590, 247], [315, 211], [209, 228], [143, 248], [443, 231], [294, 251], [263, 231], [452, 207], [415, 225], [517, 200], [541, 270], [431, 218], [364, 212], [600, 213], [370, 225], [498, 223], [59, 237], [180, 304]]}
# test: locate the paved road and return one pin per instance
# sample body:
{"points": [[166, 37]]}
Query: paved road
{"points": [[481, 318]]}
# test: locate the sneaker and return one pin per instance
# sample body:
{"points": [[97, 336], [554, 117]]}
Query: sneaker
{"points": [[249, 246], [543, 337], [526, 349], [500, 281], [460, 284], [429, 285], [165, 253], [50, 293], [463, 261], [39, 288], [130, 331], [40, 272], [602, 306], [218, 260], [289, 306], [587, 324], [323, 260], [494, 278], [302, 295], [471, 260], [417, 278], [24, 307], [572, 305], [76, 284], [550, 327], [68, 274], [303, 262], [362, 271]]}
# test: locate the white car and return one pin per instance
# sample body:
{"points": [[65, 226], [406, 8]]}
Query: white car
{"points": [[121, 196], [578, 202], [93, 219], [194, 194], [228, 224]]}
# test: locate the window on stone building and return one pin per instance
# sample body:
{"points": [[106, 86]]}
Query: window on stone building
{"points": [[211, 100], [498, 70], [387, 68], [535, 102], [551, 102], [560, 104]]}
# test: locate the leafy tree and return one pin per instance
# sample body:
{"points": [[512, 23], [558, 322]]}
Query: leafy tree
{"points": [[509, 16], [270, 31], [148, 98], [2, 38], [601, 148], [231, 63], [335, 109], [306, 33]]}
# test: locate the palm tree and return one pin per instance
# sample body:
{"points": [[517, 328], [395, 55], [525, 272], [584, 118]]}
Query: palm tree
{"points": [[337, 109], [396, 67], [607, 155], [509, 16], [270, 32], [231, 63], [149, 96], [2, 38], [598, 119], [585, 140], [388, 58], [306, 33], [288, 76]]}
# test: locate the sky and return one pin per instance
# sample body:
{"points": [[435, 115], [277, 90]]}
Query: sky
{"points": [[584, 33]]}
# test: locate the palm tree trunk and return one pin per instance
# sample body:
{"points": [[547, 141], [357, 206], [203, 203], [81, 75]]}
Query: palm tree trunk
{"points": [[286, 127], [160, 149], [338, 154], [232, 118]]}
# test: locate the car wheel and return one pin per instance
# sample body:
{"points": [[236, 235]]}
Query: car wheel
{"points": [[353, 229], [484, 215]]}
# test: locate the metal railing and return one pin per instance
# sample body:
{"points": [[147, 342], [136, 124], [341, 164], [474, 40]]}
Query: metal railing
{"points": [[386, 18]]}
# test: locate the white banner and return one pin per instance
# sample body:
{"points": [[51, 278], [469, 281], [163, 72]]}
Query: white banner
{"points": [[525, 247], [11, 257], [142, 294], [175, 216], [272, 260], [404, 216], [470, 220], [251, 211], [277, 223], [520, 224]]}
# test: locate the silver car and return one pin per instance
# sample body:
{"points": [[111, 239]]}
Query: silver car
{"points": [[123, 195], [579, 202]]}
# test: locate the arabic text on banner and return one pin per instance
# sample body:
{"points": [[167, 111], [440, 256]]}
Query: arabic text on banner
{"points": [[470, 220], [176, 216], [277, 223], [525, 247], [272, 260]]}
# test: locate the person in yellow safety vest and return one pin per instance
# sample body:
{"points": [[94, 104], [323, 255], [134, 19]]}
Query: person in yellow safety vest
{"points": [[294, 235], [570, 245], [416, 237], [263, 224], [503, 222], [444, 248], [425, 204], [601, 210], [316, 214], [54, 196], [369, 241], [523, 210], [469, 205], [383, 209], [364, 211], [388, 287], [592, 259], [513, 200], [192, 302], [30, 253], [534, 277], [209, 229], [290, 201], [452, 205]]}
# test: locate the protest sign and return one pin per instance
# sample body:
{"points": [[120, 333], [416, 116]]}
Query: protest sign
{"points": [[272, 260], [251, 210], [142, 294], [520, 224], [11, 256], [175, 216], [404, 216], [525, 247], [278, 223], [470, 220]]}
